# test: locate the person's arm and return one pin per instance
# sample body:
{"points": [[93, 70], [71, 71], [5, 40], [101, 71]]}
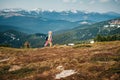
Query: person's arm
{"points": [[48, 37]]}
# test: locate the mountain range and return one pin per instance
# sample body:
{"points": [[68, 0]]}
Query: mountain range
{"points": [[41, 21]]}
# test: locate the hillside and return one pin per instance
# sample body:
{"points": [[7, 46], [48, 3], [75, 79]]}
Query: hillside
{"points": [[86, 32], [98, 61], [17, 39]]}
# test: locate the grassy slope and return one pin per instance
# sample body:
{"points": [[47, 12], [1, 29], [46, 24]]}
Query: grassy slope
{"points": [[99, 61]]}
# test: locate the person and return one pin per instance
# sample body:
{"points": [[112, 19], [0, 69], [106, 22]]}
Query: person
{"points": [[27, 44], [49, 39]]}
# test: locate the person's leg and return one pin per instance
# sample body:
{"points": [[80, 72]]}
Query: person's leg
{"points": [[50, 44], [46, 43]]}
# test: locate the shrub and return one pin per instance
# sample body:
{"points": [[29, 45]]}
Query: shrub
{"points": [[43, 68], [111, 72], [4, 70], [5, 45], [15, 74], [96, 68], [107, 38], [82, 45], [105, 57]]}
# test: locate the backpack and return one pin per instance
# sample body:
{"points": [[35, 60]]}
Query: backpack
{"points": [[46, 38]]}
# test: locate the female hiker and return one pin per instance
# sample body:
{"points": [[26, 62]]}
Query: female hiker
{"points": [[49, 39]]}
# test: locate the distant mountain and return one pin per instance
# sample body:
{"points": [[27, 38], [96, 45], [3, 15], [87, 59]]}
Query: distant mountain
{"points": [[36, 24], [8, 27], [17, 39], [38, 20], [69, 15], [86, 32]]}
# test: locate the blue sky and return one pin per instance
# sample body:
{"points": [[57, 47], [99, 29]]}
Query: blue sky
{"points": [[60, 5]]}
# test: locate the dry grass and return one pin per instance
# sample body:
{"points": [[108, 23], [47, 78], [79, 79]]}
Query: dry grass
{"points": [[99, 61]]}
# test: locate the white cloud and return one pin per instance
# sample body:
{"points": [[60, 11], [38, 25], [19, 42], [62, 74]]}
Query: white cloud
{"points": [[117, 0], [67, 1], [103, 1], [81, 2], [92, 2], [73, 1]]}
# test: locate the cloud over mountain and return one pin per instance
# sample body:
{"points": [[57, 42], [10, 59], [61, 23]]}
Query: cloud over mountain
{"points": [[69, 1], [104, 1]]}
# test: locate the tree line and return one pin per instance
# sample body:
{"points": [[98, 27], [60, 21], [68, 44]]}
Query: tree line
{"points": [[101, 38]]}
